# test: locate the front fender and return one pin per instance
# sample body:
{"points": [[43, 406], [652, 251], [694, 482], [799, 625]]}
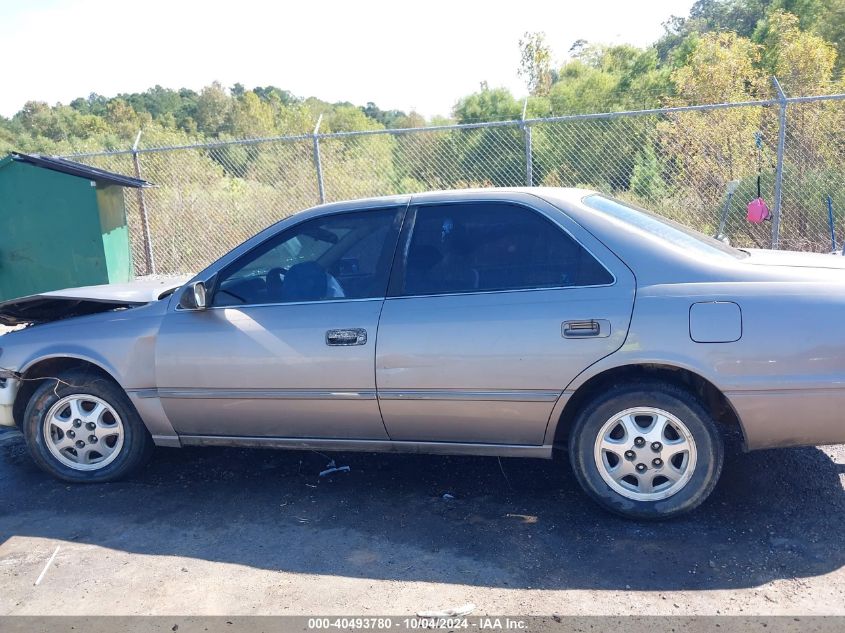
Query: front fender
{"points": [[121, 343]]}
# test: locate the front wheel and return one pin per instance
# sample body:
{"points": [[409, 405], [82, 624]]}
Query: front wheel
{"points": [[83, 428], [646, 451]]}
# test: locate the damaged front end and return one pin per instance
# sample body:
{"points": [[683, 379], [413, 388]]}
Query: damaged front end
{"points": [[58, 305], [74, 302], [37, 309]]}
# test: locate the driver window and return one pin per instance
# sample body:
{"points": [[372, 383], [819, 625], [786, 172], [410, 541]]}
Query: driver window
{"points": [[343, 256]]}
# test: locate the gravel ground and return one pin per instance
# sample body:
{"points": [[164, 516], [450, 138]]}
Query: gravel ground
{"points": [[231, 531]]}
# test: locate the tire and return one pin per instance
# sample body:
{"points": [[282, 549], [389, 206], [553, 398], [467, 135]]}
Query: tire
{"points": [[647, 450], [85, 407]]}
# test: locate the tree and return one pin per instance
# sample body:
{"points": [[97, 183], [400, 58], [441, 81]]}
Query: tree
{"points": [[250, 117], [805, 64], [598, 152], [830, 25], [802, 61], [677, 163], [271, 93], [606, 78], [488, 156], [488, 104], [737, 16], [723, 67], [710, 148], [213, 108], [388, 118], [7, 137], [123, 119], [647, 177], [535, 65]]}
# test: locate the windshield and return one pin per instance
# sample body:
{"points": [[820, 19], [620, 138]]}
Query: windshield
{"points": [[661, 227]]}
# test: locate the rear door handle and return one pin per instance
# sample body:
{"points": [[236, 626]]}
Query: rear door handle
{"points": [[590, 328], [347, 336]]}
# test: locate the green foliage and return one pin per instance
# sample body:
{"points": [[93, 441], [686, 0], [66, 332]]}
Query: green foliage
{"points": [[488, 104], [803, 61], [607, 78], [535, 65], [647, 176], [723, 51], [709, 149]]}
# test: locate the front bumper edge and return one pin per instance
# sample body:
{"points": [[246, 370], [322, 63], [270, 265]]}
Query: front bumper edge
{"points": [[8, 391]]}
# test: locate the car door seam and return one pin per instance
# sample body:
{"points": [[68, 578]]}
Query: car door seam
{"points": [[396, 247]]}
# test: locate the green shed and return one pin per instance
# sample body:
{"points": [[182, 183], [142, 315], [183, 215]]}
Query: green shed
{"points": [[62, 224]]}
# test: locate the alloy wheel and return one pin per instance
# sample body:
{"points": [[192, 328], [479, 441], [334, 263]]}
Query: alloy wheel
{"points": [[83, 432], [645, 454]]}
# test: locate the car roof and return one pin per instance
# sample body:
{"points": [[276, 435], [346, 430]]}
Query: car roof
{"points": [[569, 195], [655, 259], [568, 198]]}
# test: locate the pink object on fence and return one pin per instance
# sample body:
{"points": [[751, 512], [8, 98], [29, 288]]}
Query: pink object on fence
{"points": [[758, 211]]}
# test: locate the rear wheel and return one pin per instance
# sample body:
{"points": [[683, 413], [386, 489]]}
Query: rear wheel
{"points": [[648, 450], [83, 428]]}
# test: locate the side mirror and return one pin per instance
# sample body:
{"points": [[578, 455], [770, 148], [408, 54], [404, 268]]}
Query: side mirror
{"points": [[193, 297]]}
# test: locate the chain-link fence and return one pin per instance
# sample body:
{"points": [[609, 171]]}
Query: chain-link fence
{"points": [[699, 165]]}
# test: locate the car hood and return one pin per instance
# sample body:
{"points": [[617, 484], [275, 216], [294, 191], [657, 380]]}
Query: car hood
{"points": [[795, 259], [62, 304]]}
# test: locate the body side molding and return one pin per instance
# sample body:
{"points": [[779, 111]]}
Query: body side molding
{"points": [[381, 446]]}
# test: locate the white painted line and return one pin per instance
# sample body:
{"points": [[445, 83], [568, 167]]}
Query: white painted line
{"points": [[47, 566]]}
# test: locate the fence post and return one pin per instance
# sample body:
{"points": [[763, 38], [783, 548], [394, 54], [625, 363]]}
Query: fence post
{"points": [[779, 167], [318, 163], [529, 158], [149, 260]]}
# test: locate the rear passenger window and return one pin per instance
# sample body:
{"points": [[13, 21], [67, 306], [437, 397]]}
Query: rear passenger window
{"points": [[482, 247]]}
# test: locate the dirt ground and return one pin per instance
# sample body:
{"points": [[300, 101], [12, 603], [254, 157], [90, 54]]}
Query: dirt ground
{"points": [[239, 532]]}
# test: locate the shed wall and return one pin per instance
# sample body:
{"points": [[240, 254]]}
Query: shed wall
{"points": [[50, 234]]}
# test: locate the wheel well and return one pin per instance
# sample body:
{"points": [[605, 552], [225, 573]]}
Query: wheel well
{"points": [[47, 369], [713, 400]]}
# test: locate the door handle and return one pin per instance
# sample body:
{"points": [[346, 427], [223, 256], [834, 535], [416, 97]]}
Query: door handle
{"points": [[347, 336], [590, 328]]}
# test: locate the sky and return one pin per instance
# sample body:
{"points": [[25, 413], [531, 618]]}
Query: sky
{"points": [[420, 55]]}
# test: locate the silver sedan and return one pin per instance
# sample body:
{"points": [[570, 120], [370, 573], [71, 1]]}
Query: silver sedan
{"points": [[507, 322]]}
